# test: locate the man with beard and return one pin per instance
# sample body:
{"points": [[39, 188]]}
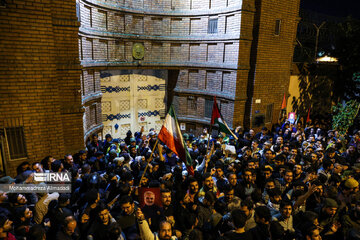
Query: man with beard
{"points": [[127, 218], [16, 200], [167, 207], [5, 228], [285, 218], [220, 180], [229, 196], [268, 157], [269, 184], [193, 190], [285, 182], [264, 174], [164, 233], [103, 225], [246, 185], [247, 207], [22, 221], [298, 173], [208, 185], [327, 215]]}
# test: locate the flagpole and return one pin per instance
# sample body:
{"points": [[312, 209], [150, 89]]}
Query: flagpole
{"points": [[149, 160]]}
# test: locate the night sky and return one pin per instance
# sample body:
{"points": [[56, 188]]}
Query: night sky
{"points": [[339, 8]]}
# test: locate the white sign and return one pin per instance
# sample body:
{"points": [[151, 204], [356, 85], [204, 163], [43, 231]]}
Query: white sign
{"points": [[183, 126], [231, 149], [52, 177]]}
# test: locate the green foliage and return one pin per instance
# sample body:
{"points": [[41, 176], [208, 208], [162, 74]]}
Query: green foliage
{"points": [[323, 84], [344, 115]]}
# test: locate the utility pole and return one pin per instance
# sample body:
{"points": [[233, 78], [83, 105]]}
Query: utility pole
{"points": [[317, 37]]}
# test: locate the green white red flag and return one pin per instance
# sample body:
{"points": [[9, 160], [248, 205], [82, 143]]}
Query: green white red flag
{"points": [[171, 136], [218, 119]]}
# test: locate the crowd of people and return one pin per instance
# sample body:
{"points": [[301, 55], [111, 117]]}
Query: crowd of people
{"points": [[288, 183]]}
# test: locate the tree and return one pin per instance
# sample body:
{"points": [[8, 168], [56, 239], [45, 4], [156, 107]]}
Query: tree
{"points": [[324, 85], [344, 115], [347, 51]]}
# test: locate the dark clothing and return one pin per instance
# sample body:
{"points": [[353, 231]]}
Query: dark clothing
{"points": [[61, 235], [232, 235], [204, 214], [260, 232], [99, 231], [154, 213], [57, 217], [168, 211], [129, 226]]}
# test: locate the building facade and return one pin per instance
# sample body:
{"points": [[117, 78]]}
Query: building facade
{"points": [[238, 51], [41, 108], [54, 54]]}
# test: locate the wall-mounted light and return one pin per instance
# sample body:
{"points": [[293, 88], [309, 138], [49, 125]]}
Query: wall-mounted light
{"points": [[3, 3]]}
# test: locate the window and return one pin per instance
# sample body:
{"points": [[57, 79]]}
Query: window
{"points": [[277, 27], [78, 11], [93, 115], [192, 103], [269, 112], [16, 140], [208, 107], [83, 83], [213, 26]]}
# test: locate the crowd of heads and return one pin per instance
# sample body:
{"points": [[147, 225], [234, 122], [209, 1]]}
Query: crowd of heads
{"points": [[287, 183]]}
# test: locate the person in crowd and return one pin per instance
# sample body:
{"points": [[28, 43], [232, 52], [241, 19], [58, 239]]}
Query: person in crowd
{"points": [[292, 182]]}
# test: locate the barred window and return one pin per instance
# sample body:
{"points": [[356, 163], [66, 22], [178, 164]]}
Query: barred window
{"points": [[16, 141], [192, 103], [277, 27], [269, 112], [213, 26], [208, 107], [78, 11], [93, 115]]}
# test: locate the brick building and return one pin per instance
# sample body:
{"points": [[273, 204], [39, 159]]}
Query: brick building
{"points": [[211, 48], [41, 107], [53, 53]]}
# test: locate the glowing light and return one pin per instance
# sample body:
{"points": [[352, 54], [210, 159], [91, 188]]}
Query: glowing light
{"points": [[326, 59]]}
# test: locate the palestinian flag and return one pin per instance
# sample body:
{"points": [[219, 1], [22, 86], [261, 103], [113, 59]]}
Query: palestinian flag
{"points": [[218, 119], [170, 134]]}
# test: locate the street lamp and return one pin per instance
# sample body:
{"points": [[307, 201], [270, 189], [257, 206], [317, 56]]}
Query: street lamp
{"points": [[317, 36]]}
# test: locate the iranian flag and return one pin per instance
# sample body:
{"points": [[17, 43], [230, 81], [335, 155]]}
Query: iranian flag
{"points": [[170, 134], [218, 119]]}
